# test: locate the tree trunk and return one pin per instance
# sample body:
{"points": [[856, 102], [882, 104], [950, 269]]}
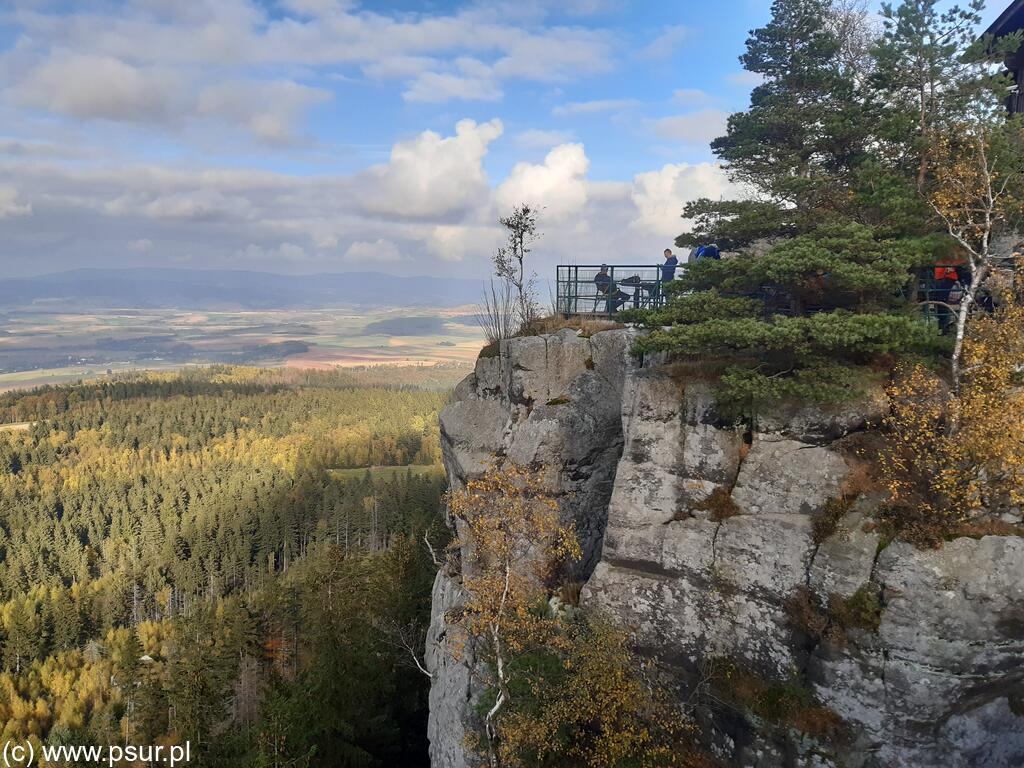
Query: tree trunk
{"points": [[958, 347], [961, 323]]}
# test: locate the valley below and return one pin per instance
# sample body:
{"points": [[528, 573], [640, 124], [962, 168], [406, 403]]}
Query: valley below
{"points": [[45, 345]]}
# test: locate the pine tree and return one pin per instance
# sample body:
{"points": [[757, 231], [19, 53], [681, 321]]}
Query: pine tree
{"points": [[67, 624], [919, 76], [809, 317], [22, 642], [804, 128]]}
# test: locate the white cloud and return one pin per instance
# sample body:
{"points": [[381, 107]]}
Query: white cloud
{"points": [[464, 242], [202, 204], [588, 7], [591, 107], [9, 204], [746, 79], [269, 110], [319, 8], [699, 127], [400, 67], [535, 138], [431, 205], [379, 251], [667, 44], [558, 56], [659, 196], [472, 81], [431, 175], [91, 87], [691, 97], [558, 184], [87, 86], [146, 61]]}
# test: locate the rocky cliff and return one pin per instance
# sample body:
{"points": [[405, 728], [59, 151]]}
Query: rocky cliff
{"points": [[706, 541]]}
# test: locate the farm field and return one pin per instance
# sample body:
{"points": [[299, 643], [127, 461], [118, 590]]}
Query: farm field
{"points": [[41, 346]]}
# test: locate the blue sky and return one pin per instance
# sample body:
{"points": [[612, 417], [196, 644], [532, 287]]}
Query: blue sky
{"points": [[331, 135]]}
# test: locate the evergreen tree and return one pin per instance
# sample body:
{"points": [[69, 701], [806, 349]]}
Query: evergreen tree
{"points": [[919, 77], [804, 129], [67, 624], [134, 548], [22, 642], [809, 317]]}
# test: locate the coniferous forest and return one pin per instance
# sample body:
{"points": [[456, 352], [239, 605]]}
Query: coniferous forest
{"points": [[196, 557]]}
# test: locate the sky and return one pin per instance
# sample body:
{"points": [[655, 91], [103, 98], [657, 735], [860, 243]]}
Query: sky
{"points": [[305, 136]]}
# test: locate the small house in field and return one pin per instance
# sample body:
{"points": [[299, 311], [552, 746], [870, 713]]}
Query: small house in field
{"points": [[1012, 20]]}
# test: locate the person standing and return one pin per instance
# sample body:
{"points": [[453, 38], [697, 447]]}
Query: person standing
{"points": [[667, 272], [668, 269]]}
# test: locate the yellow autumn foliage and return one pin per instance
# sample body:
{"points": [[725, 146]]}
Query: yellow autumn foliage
{"points": [[564, 687], [954, 456]]}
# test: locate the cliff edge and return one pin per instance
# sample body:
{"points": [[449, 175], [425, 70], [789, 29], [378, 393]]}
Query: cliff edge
{"points": [[706, 541]]}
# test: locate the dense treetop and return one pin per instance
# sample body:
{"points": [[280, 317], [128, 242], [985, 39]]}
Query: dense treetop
{"points": [[165, 547]]}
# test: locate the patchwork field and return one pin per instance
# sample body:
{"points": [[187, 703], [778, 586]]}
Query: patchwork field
{"points": [[46, 347]]}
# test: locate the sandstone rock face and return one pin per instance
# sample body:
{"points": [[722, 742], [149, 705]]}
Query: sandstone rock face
{"points": [[697, 536], [453, 691], [787, 476], [549, 402]]}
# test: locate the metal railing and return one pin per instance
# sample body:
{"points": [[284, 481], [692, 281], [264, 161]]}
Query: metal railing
{"points": [[580, 291]]}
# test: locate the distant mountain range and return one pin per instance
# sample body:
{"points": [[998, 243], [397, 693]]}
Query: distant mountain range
{"points": [[227, 290]]}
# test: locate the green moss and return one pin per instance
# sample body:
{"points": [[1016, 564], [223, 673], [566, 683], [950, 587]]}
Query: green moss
{"points": [[861, 610], [833, 619], [786, 703], [827, 520], [930, 530], [491, 350], [883, 540]]}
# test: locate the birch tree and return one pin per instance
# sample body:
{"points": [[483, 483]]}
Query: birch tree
{"points": [[979, 195], [563, 686], [512, 542]]}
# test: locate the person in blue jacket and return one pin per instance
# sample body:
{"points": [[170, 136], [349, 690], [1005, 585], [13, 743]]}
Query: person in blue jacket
{"points": [[668, 269]]}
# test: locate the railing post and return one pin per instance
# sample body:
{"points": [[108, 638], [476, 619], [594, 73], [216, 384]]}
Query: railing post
{"points": [[576, 290]]}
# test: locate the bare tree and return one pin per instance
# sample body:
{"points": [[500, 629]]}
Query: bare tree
{"points": [[857, 29], [510, 259], [248, 693], [407, 639]]}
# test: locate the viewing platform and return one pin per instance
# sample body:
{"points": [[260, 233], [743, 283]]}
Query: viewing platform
{"points": [[581, 291], [601, 291]]}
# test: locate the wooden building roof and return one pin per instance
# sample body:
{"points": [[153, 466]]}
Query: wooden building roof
{"points": [[1010, 20]]}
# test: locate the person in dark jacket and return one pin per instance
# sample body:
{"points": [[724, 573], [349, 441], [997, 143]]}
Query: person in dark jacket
{"points": [[606, 286], [949, 290], [668, 269]]}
